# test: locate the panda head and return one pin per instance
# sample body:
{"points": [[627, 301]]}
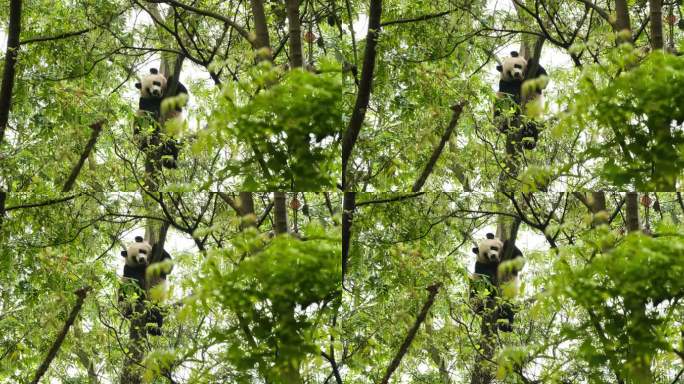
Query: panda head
{"points": [[489, 250], [513, 67], [152, 85], [138, 253]]}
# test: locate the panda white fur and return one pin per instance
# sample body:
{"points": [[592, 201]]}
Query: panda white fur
{"points": [[153, 91], [491, 253], [513, 73], [138, 257]]}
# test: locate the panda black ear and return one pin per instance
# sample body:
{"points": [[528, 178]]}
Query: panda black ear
{"points": [[138, 239], [514, 54], [124, 253], [138, 85], [476, 250], [499, 68], [490, 236], [154, 71]]}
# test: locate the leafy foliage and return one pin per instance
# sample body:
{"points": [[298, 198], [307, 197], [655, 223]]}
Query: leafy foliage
{"points": [[291, 121]]}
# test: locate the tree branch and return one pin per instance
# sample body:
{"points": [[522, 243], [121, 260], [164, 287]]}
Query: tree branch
{"points": [[333, 364], [42, 203], [348, 208], [81, 294], [97, 129], [363, 95], [13, 31], [457, 108], [389, 199], [418, 18], [240, 30], [433, 289]]}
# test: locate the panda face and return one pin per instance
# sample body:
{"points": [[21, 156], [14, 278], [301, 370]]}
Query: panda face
{"points": [[513, 68], [489, 250], [138, 253], [152, 85]]}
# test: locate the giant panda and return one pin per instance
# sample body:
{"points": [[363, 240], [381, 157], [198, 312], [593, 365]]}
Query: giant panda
{"points": [[138, 257], [491, 252], [513, 73], [153, 91]]}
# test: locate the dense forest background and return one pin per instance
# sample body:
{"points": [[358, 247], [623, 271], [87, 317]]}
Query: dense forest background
{"points": [[611, 114], [253, 295], [256, 120], [338, 161]]}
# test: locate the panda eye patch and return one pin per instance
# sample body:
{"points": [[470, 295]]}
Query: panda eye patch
{"points": [[494, 248], [156, 83], [517, 66]]}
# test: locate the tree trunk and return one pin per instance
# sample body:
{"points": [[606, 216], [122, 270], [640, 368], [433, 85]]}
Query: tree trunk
{"points": [[262, 38], [598, 202], [246, 207], [622, 16], [280, 212], [13, 31], [3, 199], [295, 29], [632, 214], [348, 207], [365, 85], [656, 22], [57, 344]]}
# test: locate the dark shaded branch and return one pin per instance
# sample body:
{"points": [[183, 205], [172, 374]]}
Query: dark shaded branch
{"points": [[42, 203], [365, 85], [601, 12], [97, 129], [333, 364], [227, 21], [64, 35], [348, 207], [13, 31], [457, 108], [262, 38], [81, 294], [433, 289], [390, 199], [3, 198], [419, 18]]}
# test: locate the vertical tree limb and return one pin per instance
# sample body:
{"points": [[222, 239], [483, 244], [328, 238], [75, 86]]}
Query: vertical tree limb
{"points": [[632, 207], [656, 22], [365, 85], [262, 38], [457, 108], [295, 38], [348, 208], [13, 32], [433, 289], [280, 212], [3, 199], [622, 15], [52, 352], [96, 130], [598, 201]]}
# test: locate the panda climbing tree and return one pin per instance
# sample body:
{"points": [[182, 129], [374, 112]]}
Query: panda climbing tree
{"points": [[496, 271], [138, 278], [159, 108], [520, 82]]}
